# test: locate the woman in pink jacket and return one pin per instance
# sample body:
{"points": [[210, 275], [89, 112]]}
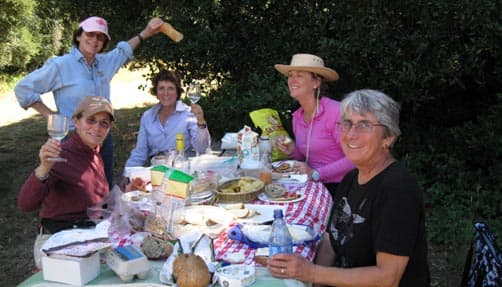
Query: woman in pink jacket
{"points": [[317, 142]]}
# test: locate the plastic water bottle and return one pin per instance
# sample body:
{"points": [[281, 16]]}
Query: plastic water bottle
{"points": [[280, 240]]}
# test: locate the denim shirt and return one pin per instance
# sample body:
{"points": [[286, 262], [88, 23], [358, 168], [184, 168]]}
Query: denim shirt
{"points": [[155, 137], [70, 78]]}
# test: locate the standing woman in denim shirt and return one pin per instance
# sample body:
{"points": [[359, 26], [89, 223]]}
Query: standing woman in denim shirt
{"points": [[82, 72]]}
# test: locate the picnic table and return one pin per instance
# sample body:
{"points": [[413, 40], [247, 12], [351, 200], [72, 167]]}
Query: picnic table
{"points": [[312, 209]]}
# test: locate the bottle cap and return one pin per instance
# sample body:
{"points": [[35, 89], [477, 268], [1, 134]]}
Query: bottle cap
{"points": [[278, 213]]}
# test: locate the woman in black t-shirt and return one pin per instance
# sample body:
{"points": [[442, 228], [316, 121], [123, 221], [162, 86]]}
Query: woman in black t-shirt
{"points": [[376, 233]]}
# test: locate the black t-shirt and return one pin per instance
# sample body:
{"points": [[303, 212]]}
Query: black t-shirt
{"points": [[384, 215]]}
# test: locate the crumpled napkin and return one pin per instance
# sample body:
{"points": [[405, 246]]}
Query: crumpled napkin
{"points": [[204, 249], [78, 242]]}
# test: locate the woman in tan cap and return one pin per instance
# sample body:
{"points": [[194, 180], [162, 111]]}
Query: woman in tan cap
{"points": [[317, 141], [84, 71], [63, 191]]}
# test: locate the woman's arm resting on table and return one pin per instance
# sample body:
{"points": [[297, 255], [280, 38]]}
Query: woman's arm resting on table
{"points": [[324, 254], [387, 272]]}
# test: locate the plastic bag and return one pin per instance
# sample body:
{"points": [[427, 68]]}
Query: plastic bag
{"points": [[269, 122], [104, 209]]}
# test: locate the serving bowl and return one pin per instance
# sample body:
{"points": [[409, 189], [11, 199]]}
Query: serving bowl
{"points": [[242, 189]]}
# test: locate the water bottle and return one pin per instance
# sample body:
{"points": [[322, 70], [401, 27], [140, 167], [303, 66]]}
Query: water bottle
{"points": [[280, 240]]}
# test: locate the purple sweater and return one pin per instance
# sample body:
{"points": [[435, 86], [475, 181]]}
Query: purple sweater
{"points": [[326, 155], [72, 186]]}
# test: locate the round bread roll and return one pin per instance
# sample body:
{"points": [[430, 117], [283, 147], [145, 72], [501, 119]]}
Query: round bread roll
{"points": [[156, 248]]}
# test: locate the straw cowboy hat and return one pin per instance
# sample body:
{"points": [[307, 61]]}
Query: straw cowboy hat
{"points": [[308, 63]]}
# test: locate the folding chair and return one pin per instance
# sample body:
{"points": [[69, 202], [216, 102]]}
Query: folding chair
{"points": [[483, 266]]}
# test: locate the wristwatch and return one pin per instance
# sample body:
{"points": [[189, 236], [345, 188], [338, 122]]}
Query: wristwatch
{"points": [[42, 179], [315, 175]]}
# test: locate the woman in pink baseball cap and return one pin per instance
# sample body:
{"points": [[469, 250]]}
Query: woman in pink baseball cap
{"points": [[85, 71]]}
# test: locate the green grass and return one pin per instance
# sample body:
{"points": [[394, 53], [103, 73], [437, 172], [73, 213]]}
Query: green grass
{"points": [[7, 84]]}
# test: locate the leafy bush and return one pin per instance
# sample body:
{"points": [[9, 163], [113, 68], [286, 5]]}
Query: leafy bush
{"points": [[462, 177]]}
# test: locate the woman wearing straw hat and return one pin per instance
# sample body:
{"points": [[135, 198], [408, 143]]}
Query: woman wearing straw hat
{"points": [[317, 141]]}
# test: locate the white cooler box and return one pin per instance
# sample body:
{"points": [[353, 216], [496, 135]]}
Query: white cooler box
{"points": [[71, 270]]}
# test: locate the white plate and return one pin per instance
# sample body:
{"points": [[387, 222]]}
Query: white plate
{"points": [[197, 217], [276, 164], [264, 197], [266, 213], [199, 214]]}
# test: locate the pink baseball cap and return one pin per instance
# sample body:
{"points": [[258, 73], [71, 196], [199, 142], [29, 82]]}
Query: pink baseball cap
{"points": [[95, 24]]}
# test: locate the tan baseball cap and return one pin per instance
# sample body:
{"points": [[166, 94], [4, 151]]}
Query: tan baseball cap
{"points": [[92, 105]]}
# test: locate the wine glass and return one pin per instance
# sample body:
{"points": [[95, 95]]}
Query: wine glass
{"points": [[57, 128], [194, 92]]}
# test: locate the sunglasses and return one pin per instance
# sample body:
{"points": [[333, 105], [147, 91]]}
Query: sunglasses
{"points": [[100, 36], [104, 123]]}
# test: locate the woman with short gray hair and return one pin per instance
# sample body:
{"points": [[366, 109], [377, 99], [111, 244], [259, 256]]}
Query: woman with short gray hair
{"points": [[376, 231]]}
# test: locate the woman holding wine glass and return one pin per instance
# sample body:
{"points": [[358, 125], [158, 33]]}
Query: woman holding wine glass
{"points": [[57, 127], [63, 191], [161, 123]]}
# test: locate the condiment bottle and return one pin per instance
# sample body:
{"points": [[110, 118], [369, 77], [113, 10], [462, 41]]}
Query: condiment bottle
{"points": [[181, 162]]}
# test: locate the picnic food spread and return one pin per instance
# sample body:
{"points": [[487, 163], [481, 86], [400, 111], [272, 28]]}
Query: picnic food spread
{"points": [[151, 217]]}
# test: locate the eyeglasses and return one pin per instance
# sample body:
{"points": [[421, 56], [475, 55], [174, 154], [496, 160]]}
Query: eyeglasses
{"points": [[101, 37], [360, 127], [104, 124]]}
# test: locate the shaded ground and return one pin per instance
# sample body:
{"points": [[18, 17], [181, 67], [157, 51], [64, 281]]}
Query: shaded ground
{"points": [[20, 140]]}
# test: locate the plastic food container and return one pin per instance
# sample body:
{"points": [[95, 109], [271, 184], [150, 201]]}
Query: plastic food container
{"points": [[237, 275]]}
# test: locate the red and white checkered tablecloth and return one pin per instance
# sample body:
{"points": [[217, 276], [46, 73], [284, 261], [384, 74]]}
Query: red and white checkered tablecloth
{"points": [[313, 210]]}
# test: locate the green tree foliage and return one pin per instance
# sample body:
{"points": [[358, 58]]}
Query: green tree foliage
{"points": [[16, 39], [32, 31]]}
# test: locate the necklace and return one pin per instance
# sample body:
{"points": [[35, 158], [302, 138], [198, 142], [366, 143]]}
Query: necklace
{"points": [[307, 153]]}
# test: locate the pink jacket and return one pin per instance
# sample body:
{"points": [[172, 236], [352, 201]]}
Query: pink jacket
{"points": [[326, 155]]}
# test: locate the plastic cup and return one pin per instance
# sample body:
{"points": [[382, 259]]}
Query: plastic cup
{"points": [[266, 176], [170, 32]]}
